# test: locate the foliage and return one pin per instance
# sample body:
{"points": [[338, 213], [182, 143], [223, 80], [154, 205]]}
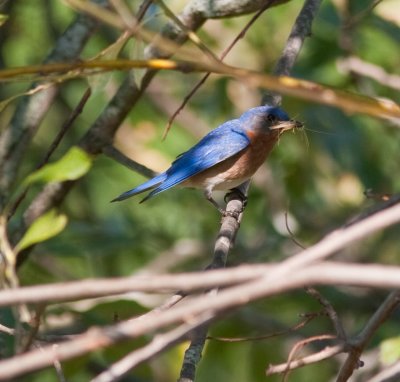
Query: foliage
{"points": [[317, 177]]}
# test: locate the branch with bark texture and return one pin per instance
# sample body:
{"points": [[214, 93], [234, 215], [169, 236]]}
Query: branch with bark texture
{"points": [[102, 132], [363, 275], [302, 269], [201, 310], [249, 283], [31, 110], [301, 29]]}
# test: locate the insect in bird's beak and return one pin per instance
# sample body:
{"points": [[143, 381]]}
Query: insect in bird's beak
{"points": [[297, 124], [288, 125]]}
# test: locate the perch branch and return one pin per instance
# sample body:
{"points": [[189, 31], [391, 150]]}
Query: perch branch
{"points": [[358, 344]]}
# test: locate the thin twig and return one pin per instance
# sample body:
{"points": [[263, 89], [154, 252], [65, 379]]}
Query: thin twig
{"points": [[30, 111], [391, 373], [35, 324], [327, 352], [102, 131], [359, 16], [362, 68], [301, 344], [7, 330], [292, 237], [222, 56], [300, 31], [159, 343], [357, 345], [294, 328], [331, 312], [64, 129], [118, 156], [191, 35], [58, 368]]}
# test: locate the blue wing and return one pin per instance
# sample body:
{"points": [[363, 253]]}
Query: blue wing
{"points": [[218, 145]]}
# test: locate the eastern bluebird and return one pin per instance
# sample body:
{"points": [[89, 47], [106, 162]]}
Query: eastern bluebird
{"points": [[226, 157]]}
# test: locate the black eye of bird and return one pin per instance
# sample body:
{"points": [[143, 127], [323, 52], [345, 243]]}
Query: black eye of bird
{"points": [[272, 118]]}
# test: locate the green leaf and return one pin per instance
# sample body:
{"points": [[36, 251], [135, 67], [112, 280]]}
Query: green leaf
{"points": [[74, 164], [98, 82], [45, 227], [390, 350]]}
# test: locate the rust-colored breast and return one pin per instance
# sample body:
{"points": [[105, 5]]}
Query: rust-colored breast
{"points": [[240, 166]]}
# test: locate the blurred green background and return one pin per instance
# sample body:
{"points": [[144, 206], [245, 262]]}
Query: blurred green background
{"points": [[316, 176]]}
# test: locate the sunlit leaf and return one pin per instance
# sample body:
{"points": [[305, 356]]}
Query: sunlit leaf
{"points": [[74, 164], [390, 350], [45, 227], [99, 81]]}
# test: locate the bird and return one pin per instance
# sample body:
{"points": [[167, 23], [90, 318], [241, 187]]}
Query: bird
{"points": [[225, 158]]}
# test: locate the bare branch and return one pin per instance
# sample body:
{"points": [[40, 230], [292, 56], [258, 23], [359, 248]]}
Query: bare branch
{"points": [[159, 343], [294, 328], [341, 238], [230, 226], [31, 110], [226, 237], [371, 275], [101, 133], [115, 154], [326, 353], [358, 344], [301, 344], [203, 308], [392, 373], [300, 31], [222, 56], [363, 68], [63, 130], [332, 314]]}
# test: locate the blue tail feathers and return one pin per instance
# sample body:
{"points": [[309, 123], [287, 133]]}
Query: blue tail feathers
{"points": [[152, 183]]}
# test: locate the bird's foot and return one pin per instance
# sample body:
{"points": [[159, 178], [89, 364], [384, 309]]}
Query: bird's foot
{"points": [[232, 214], [238, 192]]}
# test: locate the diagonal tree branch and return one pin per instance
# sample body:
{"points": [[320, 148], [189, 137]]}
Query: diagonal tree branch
{"points": [[300, 31], [31, 110], [201, 310], [101, 133], [290, 274]]}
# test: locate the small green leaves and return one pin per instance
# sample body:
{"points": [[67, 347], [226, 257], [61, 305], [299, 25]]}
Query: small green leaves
{"points": [[74, 164], [45, 227]]}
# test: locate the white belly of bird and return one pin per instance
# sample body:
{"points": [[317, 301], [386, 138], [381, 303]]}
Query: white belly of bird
{"points": [[216, 182]]}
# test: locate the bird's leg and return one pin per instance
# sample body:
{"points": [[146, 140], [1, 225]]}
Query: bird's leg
{"points": [[208, 195]]}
